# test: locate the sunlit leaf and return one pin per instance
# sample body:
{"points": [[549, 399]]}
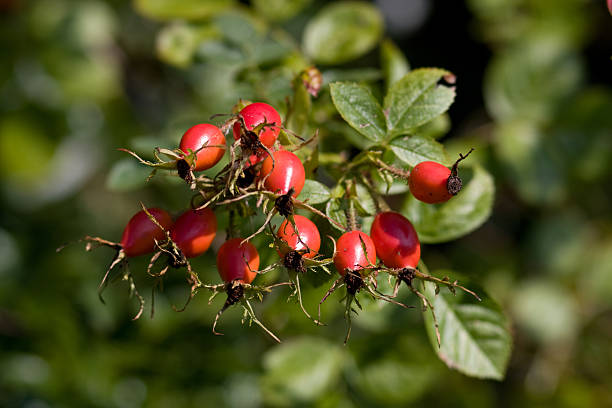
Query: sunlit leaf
{"points": [[359, 108], [314, 192], [416, 99], [474, 335], [413, 150]]}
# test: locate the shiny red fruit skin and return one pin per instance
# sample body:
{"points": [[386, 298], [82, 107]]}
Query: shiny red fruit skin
{"points": [[350, 254], [140, 232], [396, 241], [288, 172], [231, 261], [201, 135], [428, 182], [308, 234], [257, 113], [194, 231]]}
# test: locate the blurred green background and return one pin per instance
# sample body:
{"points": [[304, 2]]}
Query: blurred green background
{"points": [[80, 78]]}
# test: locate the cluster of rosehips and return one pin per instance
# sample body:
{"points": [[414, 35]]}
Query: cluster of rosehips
{"points": [[260, 168]]}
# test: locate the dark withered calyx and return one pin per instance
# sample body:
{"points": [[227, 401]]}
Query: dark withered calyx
{"points": [[353, 281]]}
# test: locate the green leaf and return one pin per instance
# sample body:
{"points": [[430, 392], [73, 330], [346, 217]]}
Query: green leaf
{"points": [[364, 200], [531, 80], [301, 107], [532, 165], [301, 370], [390, 382], [394, 63], [413, 150], [458, 216], [278, 10], [359, 108], [220, 52], [435, 128], [342, 31], [176, 44], [126, 175], [416, 99], [475, 336], [558, 314], [335, 209], [239, 28], [358, 75], [185, 9], [314, 192]]}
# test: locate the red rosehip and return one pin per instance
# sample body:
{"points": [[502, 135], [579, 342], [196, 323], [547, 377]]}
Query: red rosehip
{"points": [[309, 238], [140, 232], [396, 241], [254, 115], [288, 172], [194, 231], [350, 254], [429, 182], [198, 138], [232, 261]]}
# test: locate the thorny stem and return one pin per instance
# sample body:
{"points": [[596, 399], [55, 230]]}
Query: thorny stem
{"points": [[351, 212], [404, 174], [379, 202]]}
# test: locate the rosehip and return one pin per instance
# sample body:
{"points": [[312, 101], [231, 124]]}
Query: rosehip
{"points": [[309, 239], [396, 241], [350, 254], [237, 262], [429, 182], [198, 138], [194, 231], [256, 114], [288, 172], [140, 232]]}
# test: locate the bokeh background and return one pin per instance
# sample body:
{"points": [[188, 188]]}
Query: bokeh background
{"points": [[80, 78]]}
